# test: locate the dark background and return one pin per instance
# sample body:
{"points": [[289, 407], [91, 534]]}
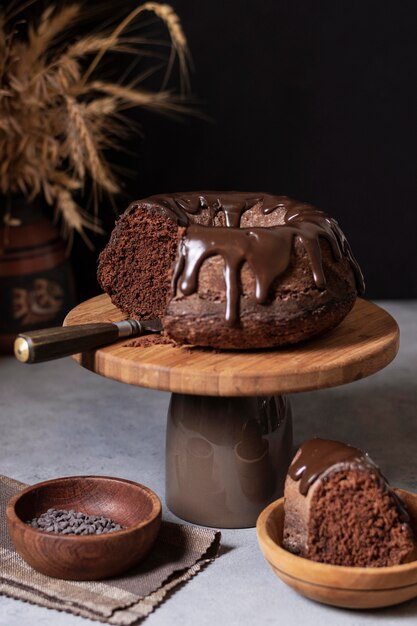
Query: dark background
{"points": [[313, 99]]}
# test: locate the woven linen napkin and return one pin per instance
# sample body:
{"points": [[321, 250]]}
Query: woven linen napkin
{"points": [[179, 553]]}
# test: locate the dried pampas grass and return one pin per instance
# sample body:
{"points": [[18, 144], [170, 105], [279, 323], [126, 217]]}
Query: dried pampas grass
{"points": [[58, 114]]}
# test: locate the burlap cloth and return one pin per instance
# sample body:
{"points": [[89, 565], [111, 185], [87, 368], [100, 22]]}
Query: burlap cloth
{"points": [[179, 553]]}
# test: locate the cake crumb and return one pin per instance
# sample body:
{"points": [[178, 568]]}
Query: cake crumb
{"points": [[146, 341]]}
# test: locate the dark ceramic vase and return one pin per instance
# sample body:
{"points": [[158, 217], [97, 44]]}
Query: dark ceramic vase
{"points": [[36, 282]]}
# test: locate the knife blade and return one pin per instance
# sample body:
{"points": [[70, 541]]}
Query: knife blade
{"points": [[47, 344]]}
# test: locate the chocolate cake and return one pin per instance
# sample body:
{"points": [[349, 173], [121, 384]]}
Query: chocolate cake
{"points": [[340, 509], [231, 269]]}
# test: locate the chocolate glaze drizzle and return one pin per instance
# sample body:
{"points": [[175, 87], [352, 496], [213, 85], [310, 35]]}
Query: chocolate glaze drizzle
{"points": [[318, 455], [266, 250]]}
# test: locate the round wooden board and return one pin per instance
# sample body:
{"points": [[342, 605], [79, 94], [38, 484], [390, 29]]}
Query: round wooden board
{"points": [[365, 342]]}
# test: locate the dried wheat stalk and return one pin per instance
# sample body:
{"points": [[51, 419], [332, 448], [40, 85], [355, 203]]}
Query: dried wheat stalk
{"points": [[56, 119]]}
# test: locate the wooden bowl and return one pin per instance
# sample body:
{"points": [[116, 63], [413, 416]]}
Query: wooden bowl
{"points": [[349, 587], [85, 557]]}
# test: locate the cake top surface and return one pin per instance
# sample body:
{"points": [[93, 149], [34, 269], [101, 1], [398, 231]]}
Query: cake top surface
{"points": [[318, 455], [233, 204]]}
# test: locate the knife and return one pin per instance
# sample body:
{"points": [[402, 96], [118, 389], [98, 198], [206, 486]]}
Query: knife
{"points": [[36, 346]]}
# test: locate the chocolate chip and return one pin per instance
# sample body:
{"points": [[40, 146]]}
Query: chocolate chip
{"points": [[73, 523]]}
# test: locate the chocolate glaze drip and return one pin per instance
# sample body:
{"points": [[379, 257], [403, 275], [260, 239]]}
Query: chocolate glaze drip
{"points": [[266, 250], [318, 455], [256, 246], [303, 212]]}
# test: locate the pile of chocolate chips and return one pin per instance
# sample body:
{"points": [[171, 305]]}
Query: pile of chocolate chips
{"points": [[73, 523]]}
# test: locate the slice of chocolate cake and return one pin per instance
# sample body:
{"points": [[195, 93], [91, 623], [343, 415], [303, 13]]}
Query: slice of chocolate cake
{"points": [[339, 509]]}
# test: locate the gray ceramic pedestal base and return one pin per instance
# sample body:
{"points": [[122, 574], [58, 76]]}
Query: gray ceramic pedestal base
{"points": [[226, 458]]}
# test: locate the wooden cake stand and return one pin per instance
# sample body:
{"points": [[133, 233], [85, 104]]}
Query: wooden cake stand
{"points": [[229, 433]]}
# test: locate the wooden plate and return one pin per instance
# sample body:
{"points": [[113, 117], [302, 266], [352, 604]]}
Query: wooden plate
{"points": [[365, 342], [349, 587]]}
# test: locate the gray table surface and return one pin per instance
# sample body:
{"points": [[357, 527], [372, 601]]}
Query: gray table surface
{"points": [[58, 419]]}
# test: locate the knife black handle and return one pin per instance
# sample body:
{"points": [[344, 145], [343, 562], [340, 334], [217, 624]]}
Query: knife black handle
{"points": [[36, 346]]}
